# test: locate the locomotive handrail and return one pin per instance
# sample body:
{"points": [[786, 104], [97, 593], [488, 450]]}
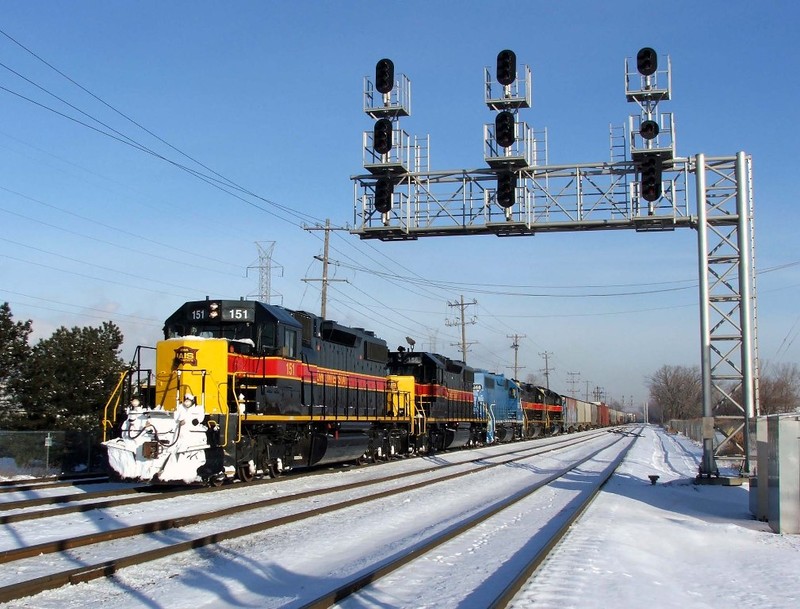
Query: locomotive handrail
{"points": [[525, 431], [202, 372], [398, 403], [118, 394], [240, 410], [423, 428], [305, 367]]}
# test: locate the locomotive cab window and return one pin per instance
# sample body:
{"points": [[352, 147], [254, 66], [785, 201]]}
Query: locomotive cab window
{"points": [[267, 334], [290, 342], [174, 331], [202, 332]]}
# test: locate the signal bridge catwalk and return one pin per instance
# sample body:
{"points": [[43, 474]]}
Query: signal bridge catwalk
{"points": [[552, 198]]}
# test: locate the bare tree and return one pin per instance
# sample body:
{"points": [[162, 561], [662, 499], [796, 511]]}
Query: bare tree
{"points": [[533, 380], [779, 389], [676, 392]]}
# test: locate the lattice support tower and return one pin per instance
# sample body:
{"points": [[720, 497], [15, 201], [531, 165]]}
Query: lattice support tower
{"points": [[727, 306], [265, 267]]}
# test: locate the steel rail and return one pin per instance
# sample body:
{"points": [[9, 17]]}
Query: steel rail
{"points": [[507, 593]]}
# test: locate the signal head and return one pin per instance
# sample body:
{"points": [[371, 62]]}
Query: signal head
{"points": [[384, 188], [506, 189], [506, 67], [384, 75], [382, 136], [504, 129], [651, 177], [648, 129], [646, 61]]}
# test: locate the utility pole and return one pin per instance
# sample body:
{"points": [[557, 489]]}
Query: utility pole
{"points": [[325, 281], [546, 355], [515, 347], [572, 379], [462, 306]]}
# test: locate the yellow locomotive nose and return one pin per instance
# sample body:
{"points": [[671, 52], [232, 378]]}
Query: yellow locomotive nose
{"points": [[192, 368]]}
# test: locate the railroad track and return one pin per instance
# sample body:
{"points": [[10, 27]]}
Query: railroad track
{"points": [[28, 484], [503, 589], [214, 526], [18, 510], [84, 501]]}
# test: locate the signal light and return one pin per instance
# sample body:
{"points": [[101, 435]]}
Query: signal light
{"points": [[651, 177], [384, 75], [506, 189], [384, 188], [506, 67], [382, 136], [648, 129], [504, 128], [646, 61]]}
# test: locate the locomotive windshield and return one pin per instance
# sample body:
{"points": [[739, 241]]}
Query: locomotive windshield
{"points": [[229, 331], [252, 327]]}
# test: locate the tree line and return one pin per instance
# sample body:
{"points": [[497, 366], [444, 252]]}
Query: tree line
{"points": [[60, 383], [676, 392]]}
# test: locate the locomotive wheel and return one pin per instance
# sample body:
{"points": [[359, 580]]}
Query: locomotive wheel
{"points": [[245, 473], [216, 481]]}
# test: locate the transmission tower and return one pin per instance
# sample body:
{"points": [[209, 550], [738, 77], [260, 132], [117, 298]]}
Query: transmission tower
{"points": [[265, 266]]}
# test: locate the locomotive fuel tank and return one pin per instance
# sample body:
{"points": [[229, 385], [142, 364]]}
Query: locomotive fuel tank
{"points": [[457, 436], [339, 443]]}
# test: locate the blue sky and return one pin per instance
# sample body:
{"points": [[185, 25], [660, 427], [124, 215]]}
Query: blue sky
{"points": [[268, 95]]}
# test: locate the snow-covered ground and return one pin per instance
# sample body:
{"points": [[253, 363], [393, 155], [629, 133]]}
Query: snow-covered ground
{"points": [[674, 544], [669, 545]]}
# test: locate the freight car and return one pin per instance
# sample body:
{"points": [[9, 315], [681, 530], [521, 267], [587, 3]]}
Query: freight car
{"points": [[580, 415]]}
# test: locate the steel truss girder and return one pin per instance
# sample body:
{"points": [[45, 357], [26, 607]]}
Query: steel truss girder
{"points": [[550, 198]]}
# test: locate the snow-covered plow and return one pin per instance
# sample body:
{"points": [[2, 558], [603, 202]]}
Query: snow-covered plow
{"points": [[160, 445]]}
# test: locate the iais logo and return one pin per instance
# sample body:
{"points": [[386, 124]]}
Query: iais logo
{"points": [[186, 356]]}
